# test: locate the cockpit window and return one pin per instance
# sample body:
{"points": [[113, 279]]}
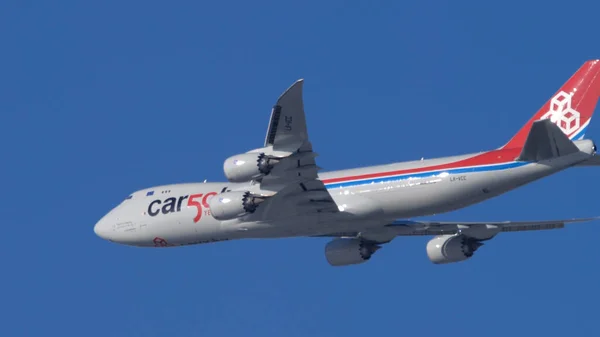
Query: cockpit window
{"points": [[129, 197]]}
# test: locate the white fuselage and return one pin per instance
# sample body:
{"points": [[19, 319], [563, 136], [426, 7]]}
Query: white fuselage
{"points": [[174, 215]]}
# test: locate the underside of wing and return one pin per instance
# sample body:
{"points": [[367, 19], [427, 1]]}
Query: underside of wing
{"points": [[481, 230], [287, 126], [478, 230], [294, 179], [281, 178]]}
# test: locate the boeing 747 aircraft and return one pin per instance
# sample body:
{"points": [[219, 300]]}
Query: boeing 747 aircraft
{"points": [[276, 191]]}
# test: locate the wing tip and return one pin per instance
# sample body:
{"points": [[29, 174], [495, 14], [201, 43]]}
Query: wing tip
{"points": [[294, 90], [593, 218]]}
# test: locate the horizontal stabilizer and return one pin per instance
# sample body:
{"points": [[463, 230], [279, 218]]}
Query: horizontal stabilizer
{"points": [[593, 161], [546, 141]]}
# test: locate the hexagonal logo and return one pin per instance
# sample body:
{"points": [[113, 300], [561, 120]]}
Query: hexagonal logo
{"points": [[562, 114], [160, 242]]}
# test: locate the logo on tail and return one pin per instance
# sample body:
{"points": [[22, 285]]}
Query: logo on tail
{"points": [[571, 108], [562, 114]]}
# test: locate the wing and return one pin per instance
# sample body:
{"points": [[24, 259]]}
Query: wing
{"points": [[294, 180], [483, 229], [476, 230], [287, 127]]}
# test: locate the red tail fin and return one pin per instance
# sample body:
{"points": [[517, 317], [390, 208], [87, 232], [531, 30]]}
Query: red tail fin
{"points": [[571, 107]]}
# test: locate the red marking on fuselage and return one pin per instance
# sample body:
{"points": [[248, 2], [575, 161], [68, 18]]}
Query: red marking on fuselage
{"points": [[193, 203]]}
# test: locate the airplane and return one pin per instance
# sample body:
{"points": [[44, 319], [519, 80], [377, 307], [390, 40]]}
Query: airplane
{"points": [[278, 191]]}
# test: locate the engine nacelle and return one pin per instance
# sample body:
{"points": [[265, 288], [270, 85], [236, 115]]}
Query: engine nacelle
{"points": [[451, 248], [343, 252], [234, 204], [248, 166]]}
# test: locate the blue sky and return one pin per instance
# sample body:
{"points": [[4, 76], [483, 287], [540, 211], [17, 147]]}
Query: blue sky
{"points": [[99, 99]]}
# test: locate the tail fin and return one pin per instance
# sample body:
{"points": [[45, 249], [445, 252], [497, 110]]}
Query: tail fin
{"points": [[571, 107]]}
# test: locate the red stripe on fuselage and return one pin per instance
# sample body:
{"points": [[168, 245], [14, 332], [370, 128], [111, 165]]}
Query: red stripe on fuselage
{"points": [[487, 158]]}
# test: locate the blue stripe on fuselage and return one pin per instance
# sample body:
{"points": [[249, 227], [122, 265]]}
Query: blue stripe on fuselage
{"points": [[487, 168], [406, 176]]}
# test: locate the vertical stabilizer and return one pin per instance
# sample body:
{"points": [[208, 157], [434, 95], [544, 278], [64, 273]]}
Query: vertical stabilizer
{"points": [[570, 108]]}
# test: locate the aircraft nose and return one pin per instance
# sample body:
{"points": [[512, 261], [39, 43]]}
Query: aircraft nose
{"points": [[114, 228], [103, 229]]}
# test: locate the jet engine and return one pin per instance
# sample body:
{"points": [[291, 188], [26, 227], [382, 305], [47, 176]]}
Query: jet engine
{"points": [[451, 248], [233, 204], [248, 166], [343, 252]]}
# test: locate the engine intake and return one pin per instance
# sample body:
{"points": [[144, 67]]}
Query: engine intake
{"points": [[343, 252], [451, 248], [248, 166], [234, 204]]}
